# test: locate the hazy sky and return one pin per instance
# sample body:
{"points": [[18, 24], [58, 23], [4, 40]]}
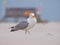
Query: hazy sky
{"points": [[50, 8]]}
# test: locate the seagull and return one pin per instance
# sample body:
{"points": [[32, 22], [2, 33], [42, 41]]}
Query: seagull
{"points": [[27, 24]]}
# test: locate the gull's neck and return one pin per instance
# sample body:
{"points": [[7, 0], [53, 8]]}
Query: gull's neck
{"points": [[32, 20]]}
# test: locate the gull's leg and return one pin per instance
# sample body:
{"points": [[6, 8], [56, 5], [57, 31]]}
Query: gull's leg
{"points": [[27, 31]]}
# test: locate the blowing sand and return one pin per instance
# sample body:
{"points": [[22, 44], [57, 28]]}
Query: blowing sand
{"points": [[41, 34]]}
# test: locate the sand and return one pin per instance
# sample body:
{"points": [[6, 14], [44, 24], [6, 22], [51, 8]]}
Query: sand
{"points": [[41, 34]]}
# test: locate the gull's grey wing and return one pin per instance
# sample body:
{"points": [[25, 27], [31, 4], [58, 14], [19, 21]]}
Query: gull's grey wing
{"points": [[21, 25]]}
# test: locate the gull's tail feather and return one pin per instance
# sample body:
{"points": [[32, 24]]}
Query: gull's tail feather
{"points": [[12, 30], [12, 27]]}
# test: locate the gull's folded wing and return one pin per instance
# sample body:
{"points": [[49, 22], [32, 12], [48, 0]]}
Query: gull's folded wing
{"points": [[21, 25]]}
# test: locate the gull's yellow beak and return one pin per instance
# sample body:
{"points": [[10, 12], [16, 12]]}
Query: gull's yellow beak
{"points": [[33, 16]]}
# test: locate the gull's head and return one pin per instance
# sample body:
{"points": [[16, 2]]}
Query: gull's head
{"points": [[30, 14]]}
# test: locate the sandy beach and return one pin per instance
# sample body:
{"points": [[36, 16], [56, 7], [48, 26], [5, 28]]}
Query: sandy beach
{"points": [[41, 34]]}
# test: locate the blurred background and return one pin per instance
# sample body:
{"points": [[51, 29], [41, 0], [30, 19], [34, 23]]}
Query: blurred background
{"points": [[12, 12], [45, 10]]}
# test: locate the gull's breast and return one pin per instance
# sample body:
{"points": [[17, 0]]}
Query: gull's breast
{"points": [[32, 23]]}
